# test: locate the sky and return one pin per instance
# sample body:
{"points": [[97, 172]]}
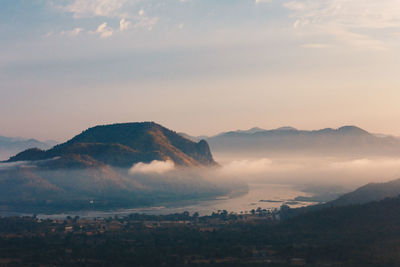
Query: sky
{"points": [[198, 66]]}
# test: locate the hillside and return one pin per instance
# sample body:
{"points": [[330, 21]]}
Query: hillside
{"points": [[366, 194], [122, 145], [369, 193], [354, 235]]}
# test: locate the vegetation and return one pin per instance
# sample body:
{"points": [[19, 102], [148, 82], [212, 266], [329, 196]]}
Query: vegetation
{"points": [[122, 145], [370, 192], [359, 235], [91, 171]]}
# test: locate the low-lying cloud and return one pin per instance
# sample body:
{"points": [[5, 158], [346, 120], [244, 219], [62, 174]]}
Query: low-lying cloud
{"points": [[348, 173], [156, 167], [312, 170]]}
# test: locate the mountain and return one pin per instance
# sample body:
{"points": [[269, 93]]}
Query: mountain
{"points": [[11, 145], [27, 188], [286, 128], [346, 140], [92, 171], [122, 145], [194, 138], [250, 131]]}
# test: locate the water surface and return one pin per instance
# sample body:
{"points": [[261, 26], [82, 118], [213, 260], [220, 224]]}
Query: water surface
{"points": [[265, 196]]}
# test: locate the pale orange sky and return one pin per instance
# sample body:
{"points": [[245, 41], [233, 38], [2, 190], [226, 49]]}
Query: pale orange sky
{"points": [[201, 67]]}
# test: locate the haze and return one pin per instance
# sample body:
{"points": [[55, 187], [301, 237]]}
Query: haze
{"points": [[198, 66]]}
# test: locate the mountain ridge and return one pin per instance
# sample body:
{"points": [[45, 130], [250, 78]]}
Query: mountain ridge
{"points": [[343, 141], [284, 129]]}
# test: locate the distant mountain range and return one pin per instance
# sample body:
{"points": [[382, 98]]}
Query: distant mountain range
{"points": [[11, 145], [346, 140], [92, 170]]}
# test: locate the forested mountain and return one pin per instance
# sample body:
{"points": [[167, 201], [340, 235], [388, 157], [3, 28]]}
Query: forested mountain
{"points": [[122, 145], [93, 170]]}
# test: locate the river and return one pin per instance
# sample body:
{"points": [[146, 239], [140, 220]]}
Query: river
{"points": [[265, 196]]}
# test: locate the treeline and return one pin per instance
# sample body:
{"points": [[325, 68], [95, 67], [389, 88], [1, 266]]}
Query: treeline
{"points": [[359, 235]]}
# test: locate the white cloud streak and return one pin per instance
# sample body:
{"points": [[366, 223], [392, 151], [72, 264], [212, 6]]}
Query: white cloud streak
{"points": [[110, 9], [146, 22], [93, 8], [104, 31], [157, 167], [124, 25], [72, 33], [263, 1], [353, 22]]}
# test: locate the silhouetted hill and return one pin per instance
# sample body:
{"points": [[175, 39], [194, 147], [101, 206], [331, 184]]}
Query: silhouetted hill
{"points": [[123, 145], [347, 140], [365, 194], [353, 235], [368, 193]]}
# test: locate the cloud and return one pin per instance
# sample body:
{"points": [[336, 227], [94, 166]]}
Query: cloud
{"points": [[262, 1], [361, 23], [93, 8], [350, 173], [124, 25], [104, 31], [138, 23], [357, 13], [72, 33], [246, 167], [146, 22], [155, 166], [364, 163], [12, 165], [112, 9]]}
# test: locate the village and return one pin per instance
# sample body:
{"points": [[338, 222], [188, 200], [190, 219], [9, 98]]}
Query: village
{"points": [[93, 226]]}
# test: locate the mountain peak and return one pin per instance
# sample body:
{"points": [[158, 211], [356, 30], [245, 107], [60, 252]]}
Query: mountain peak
{"points": [[286, 128], [350, 129], [251, 131]]}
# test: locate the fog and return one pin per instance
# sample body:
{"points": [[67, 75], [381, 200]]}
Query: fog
{"points": [[163, 182], [155, 166], [347, 173], [329, 171]]}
